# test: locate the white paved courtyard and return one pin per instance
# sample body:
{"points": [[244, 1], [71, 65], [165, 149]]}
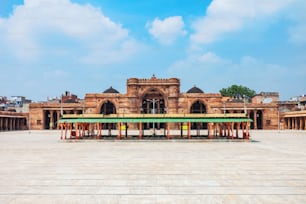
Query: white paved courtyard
{"points": [[37, 167]]}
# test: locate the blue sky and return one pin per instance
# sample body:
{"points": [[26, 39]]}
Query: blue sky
{"points": [[86, 46]]}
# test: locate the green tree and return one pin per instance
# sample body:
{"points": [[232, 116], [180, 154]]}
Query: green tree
{"points": [[239, 92]]}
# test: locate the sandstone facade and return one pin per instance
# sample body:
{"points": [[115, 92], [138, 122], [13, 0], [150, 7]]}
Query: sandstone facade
{"points": [[156, 95]]}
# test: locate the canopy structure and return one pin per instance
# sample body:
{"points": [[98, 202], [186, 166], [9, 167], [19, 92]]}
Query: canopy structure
{"points": [[223, 124], [154, 118]]}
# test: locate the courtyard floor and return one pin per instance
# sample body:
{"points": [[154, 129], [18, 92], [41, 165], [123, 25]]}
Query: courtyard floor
{"points": [[37, 167]]}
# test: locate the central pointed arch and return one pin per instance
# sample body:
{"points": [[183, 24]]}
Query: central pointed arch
{"points": [[108, 108], [153, 102], [198, 107]]}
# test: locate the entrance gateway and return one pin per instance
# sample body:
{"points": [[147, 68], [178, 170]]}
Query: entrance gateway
{"points": [[234, 126]]}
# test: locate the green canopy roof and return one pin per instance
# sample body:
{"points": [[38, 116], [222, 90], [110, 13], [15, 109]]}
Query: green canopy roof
{"points": [[154, 118]]}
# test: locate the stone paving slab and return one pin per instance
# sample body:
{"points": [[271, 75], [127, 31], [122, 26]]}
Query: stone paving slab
{"points": [[37, 167]]}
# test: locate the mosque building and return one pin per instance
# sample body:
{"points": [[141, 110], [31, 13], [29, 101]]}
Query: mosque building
{"points": [[158, 96]]}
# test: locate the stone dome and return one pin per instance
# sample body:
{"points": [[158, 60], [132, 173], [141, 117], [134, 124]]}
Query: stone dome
{"points": [[195, 90], [111, 90]]}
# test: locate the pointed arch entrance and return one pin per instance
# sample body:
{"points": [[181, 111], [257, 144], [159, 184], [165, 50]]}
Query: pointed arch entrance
{"points": [[198, 107], [47, 119], [251, 115], [50, 119], [257, 117], [259, 120], [108, 108], [153, 102]]}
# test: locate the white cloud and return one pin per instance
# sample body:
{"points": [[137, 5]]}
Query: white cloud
{"points": [[211, 73], [27, 32], [200, 68], [225, 16], [168, 30], [209, 57], [121, 51]]}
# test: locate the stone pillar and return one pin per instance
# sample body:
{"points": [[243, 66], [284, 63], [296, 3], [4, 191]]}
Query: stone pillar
{"points": [[14, 123], [247, 131], [148, 111], [18, 124], [189, 126], [77, 130], [9, 127], [126, 130], [1, 123], [228, 127], [168, 130], [7, 123], [237, 130], [21, 124], [296, 124], [58, 115], [210, 130], [4, 124], [51, 120], [216, 129], [119, 131], [232, 129], [255, 119], [99, 127], [158, 111], [288, 123], [140, 130], [109, 128], [11, 123], [61, 131]]}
